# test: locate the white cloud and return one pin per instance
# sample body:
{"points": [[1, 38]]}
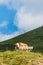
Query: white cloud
{"points": [[27, 20], [16, 4], [5, 2], [30, 15], [9, 36], [11, 4], [3, 24]]}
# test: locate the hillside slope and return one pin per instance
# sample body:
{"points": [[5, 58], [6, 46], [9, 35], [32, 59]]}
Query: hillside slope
{"points": [[32, 38]]}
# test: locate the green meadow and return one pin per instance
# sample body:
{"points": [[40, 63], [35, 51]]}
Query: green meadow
{"points": [[21, 58]]}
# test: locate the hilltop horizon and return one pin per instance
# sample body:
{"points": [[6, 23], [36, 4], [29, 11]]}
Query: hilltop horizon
{"points": [[20, 34]]}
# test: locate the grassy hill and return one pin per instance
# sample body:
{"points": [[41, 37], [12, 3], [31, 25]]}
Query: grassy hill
{"points": [[9, 56], [32, 38]]}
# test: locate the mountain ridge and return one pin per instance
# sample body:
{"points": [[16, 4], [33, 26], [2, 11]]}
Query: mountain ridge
{"points": [[24, 33]]}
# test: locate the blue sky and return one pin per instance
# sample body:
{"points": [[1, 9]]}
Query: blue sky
{"points": [[7, 15], [19, 16]]}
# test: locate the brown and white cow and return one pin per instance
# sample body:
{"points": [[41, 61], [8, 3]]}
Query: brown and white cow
{"points": [[23, 46]]}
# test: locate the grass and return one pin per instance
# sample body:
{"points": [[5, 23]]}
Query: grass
{"points": [[21, 58]]}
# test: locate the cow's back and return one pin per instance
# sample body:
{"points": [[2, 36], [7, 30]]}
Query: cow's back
{"points": [[22, 44]]}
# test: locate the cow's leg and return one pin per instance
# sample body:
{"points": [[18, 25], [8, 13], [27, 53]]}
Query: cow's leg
{"points": [[16, 48]]}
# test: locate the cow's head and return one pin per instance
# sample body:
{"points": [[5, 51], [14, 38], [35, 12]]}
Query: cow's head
{"points": [[17, 44]]}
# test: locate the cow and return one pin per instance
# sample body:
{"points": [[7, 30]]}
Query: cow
{"points": [[23, 46]]}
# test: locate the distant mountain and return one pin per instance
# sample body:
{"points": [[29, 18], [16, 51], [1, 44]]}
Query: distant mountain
{"points": [[32, 38]]}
